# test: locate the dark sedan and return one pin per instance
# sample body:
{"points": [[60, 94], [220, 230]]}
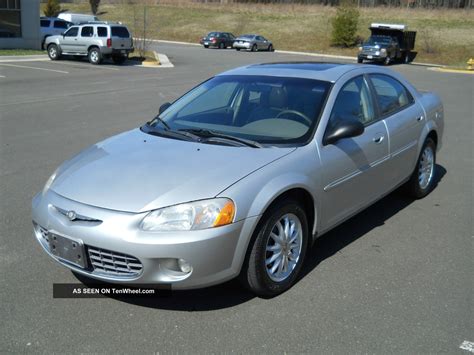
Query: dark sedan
{"points": [[219, 40]]}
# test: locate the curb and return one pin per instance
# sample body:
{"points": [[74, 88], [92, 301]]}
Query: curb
{"points": [[23, 58], [447, 70], [161, 59]]}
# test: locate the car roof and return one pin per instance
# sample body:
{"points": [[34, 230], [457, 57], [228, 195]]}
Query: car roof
{"points": [[310, 70]]}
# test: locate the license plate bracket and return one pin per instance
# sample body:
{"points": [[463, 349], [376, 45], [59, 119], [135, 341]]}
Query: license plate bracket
{"points": [[123, 51], [369, 57], [68, 249]]}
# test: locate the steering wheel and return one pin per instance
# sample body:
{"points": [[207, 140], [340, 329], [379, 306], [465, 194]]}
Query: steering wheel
{"points": [[296, 113]]}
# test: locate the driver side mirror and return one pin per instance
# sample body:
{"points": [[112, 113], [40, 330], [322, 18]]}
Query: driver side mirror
{"points": [[164, 107], [344, 129]]}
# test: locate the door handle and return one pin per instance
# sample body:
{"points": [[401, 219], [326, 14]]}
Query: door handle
{"points": [[420, 118], [378, 140]]}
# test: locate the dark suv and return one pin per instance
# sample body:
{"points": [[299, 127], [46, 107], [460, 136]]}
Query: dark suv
{"points": [[219, 40]]}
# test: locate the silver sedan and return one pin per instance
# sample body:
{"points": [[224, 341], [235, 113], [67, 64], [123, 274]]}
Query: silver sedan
{"points": [[253, 42], [240, 176]]}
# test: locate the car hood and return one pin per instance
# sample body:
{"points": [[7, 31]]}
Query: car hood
{"points": [[137, 172]]}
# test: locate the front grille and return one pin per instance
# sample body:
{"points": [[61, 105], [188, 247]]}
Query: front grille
{"points": [[113, 263], [44, 233]]}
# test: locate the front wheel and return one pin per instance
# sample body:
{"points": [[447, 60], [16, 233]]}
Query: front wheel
{"points": [[95, 57], [422, 180], [387, 60], [360, 60], [254, 48], [237, 49], [276, 255], [53, 52], [406, 58], [270, 48], [221, 45]]}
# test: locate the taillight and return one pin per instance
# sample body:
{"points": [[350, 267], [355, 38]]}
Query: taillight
{"points": [[109, 42]]}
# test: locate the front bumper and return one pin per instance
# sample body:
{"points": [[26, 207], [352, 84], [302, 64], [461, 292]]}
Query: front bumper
{"points": [[375, 56], [215, 255]]}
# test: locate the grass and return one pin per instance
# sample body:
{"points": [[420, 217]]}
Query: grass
{"points": [[20, 52], [444, 36]]}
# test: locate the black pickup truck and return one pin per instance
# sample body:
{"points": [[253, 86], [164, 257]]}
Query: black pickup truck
{"points": [[388, 43]]}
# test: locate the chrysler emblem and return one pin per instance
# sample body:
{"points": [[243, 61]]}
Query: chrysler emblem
{"points": [[71, 215]]}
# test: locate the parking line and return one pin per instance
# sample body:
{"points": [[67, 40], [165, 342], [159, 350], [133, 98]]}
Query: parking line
{"points": [[24, 66], [467, 345], [80, 65], [2, 76]]}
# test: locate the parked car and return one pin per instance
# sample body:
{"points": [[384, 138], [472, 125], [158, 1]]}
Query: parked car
{"points": [[95, 40], [240, 176], [253, 42], [388, 43], [51, 26], [219, 40], [77, 18]]}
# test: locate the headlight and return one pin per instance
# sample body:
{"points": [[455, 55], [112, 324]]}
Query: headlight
{"points": [[377, 53], [49, 182], [190, 216], [360, 49], [383, 50]]}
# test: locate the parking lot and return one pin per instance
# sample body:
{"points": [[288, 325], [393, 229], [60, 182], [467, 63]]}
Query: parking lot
{"points": [[396, 278]]}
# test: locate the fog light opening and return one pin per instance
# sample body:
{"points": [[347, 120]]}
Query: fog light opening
{"points": [[184, 266]]}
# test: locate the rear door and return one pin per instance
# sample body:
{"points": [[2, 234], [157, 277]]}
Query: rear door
{"points": [[85, 39], [121, 38], [405, 120]]}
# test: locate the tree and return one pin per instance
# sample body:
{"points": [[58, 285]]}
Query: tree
{"points": [[344, 26], [94, 6], [52, 8]]}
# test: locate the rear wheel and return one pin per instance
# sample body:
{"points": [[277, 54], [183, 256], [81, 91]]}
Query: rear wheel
{"points": [[206, 46], [406, 57], [276, 255], [254, 48], [270, 48], [387, 60], [53, 52], [221, 45], [422, 180], [237, 49], [360, 60], [94, 56]]}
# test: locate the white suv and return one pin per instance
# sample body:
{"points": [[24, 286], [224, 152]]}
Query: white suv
{"points": [[96, 40]]}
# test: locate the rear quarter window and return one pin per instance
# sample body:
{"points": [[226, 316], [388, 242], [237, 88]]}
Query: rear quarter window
{"points": [[121, 32], [60, 24], [45, 23]]}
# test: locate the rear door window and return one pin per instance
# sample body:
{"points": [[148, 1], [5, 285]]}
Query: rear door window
{"points": [[391, 94], [60, 24], [102, 31], [45, 23], [121, 32], [87, 31]]}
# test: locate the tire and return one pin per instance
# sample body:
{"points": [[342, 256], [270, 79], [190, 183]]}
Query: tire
{"points": [[360, 60], [237, 49], [387, 60], [206, 46], [221, 45], [406, 58], [54, 53], [256, 273], [119, 59], [254, 48], [94, 56], [270, 48], [425, 168]]}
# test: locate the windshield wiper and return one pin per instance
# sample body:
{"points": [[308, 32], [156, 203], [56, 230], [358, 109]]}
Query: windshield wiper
{"points": [[209, 134], [170, 133]]}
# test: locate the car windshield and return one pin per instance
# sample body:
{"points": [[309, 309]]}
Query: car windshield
{"points": [[213, 34], [263, 109], [373, 40]]}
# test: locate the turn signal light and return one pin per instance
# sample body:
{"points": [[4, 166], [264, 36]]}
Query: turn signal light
{"points": [[226, 215]]}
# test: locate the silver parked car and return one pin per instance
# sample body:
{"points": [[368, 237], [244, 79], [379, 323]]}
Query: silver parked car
{"points": [[253, 42], [97, 40], [240, 176]]}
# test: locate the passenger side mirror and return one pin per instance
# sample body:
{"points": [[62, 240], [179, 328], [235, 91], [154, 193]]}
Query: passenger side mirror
{"points": [[344, 129], [164, 107]]}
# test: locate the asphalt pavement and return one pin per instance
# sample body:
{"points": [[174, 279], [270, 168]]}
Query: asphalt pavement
{"points": [[397, 278]]}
